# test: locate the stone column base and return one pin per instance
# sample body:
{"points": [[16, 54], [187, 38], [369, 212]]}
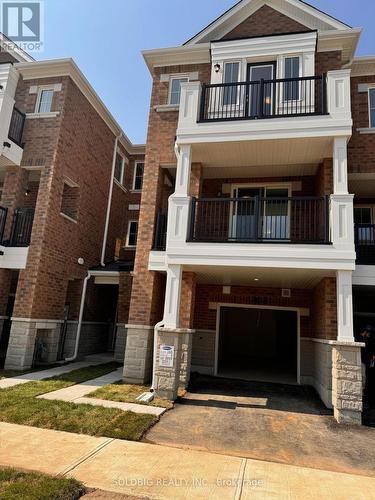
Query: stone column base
{"points": [[23, 335], [120, 345], [138, 354], [168, 379], [347, 382]]}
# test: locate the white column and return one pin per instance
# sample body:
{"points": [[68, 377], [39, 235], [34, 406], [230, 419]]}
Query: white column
{"points": [[172, 296], [179, 201], [342, 220], [344, 292]]}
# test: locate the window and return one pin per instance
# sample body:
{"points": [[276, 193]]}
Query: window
{"points": [[44, 101], [371, 101], [70, 200], [138, 175], [175, 89], [363, 220], [231, 72], [119, 168], [291, 89], [131, 239]]}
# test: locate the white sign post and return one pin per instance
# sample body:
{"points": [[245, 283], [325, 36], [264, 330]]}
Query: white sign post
{"points": [[166, 356]]}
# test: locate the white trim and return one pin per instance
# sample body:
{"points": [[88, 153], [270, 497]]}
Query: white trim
{"points": [[51, 114], [166, 108], [128, 233], [121, 186], [68, 218], [70, 182], [248, 306], [366, 130], [136, 163]]}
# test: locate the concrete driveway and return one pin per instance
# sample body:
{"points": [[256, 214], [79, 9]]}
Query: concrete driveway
{"points": [[279, 423]]}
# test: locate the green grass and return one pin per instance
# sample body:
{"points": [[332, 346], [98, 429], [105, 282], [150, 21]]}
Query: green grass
{"points": [[128, 393], [19, 405], [17, 485]]}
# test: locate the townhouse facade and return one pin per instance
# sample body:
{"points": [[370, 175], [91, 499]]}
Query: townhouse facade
{"points": [[256, 222], [70, 185]]}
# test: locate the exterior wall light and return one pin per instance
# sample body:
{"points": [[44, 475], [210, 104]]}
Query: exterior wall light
{"points": [[217, 67]]}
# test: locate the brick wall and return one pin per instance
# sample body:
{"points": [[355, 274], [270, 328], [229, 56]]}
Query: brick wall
{"points": [[327, 61], [205, 317], [76, 144], [124, 293], [265, 21], [324, 310], [148, 288], [361, 148], [188, 290]]}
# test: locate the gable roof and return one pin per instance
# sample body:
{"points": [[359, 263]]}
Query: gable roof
{"points": [[298, 10]]}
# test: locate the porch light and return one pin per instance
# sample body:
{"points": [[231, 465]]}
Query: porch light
{"points": [[256, 279], [27, 192], [217, 67]]}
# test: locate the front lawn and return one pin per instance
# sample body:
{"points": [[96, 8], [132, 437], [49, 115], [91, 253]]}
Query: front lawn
{"points": [[19, 405], [128, 393], [17, 485]]}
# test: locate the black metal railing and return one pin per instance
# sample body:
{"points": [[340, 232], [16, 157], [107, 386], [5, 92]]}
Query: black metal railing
{"points": [[160, 235], [3, 218], [22, 226], [253, 220], [279, 98], [365, 243], [16, 127]]}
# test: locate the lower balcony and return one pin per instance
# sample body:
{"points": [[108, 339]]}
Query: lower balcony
{"points": [[277, 219], [15, 238]]}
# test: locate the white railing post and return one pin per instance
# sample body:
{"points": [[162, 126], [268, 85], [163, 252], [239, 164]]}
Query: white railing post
{"points": [[189, 104], [338, 93]]}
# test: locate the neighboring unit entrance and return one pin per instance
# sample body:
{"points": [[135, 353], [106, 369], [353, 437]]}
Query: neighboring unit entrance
{"points": [[258, 344]]}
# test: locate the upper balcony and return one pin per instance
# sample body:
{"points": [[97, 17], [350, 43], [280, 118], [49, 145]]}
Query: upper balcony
{"points": [[12, 121], [308, 111]]}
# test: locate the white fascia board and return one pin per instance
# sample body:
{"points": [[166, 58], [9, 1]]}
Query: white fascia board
{"points": [[156, 261], [324, 126], [362, 66], [271, 256], [295, 9], [343, 40], [67, 67], [264, 46], [173, 56]]}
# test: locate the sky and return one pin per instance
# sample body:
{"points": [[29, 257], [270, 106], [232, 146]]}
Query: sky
{"points": [[106, 37]]}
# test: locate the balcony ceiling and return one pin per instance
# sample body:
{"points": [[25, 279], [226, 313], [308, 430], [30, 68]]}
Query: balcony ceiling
{"points": [[268, 277], [297, 151]]}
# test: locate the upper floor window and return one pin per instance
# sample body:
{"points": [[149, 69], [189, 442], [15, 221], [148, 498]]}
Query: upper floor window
{"points": [[292, 70], [138, 175], [231, 74], [44, 100], [119, 168], [175, 89], [371, 110], [131, 239], [70, 200]]}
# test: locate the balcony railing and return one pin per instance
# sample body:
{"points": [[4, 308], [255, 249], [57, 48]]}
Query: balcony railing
{"points": [[260, 220], [160, 236], [365, 243], [22, 226], [3, 218], [17, 124], [278, 98]]}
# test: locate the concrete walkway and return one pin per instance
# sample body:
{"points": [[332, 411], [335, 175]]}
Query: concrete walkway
{"points": [[76, 393], [52, 372], [159, 472]]}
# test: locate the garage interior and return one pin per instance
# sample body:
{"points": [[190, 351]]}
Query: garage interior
{"points": [[258, 344]]}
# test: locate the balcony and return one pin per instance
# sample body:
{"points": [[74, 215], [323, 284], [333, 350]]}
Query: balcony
{"points": [[296, 220], [15, 240], [17, 123], [253, 100], [365, 243]]}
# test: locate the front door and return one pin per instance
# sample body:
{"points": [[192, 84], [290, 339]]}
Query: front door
{"points": [[260, 98]]}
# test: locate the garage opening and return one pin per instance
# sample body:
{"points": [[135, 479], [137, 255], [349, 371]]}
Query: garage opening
{"points": [[258, 344]]}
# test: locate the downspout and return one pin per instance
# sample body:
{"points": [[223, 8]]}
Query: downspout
{"points": [[105, 236], [79, 326], [102, 263], [156, 328]]}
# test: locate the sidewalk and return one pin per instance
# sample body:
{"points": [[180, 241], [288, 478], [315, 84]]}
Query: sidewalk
{"points": [[160, 472]]}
